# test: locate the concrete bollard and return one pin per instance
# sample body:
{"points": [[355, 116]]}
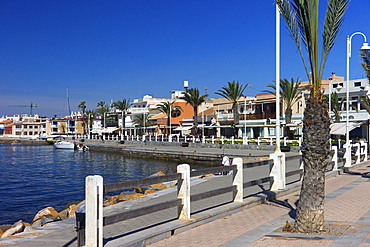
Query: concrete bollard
{"points": [[238, 179], [278, 170], [183, 191], [335, 157], [94, 211]]}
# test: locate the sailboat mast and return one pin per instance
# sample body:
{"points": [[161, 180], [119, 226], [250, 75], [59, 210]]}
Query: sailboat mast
{"points": [[69, 106]]}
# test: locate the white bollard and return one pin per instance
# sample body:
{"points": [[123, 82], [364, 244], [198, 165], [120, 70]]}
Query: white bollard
{"points": [[94, 211], [347, 154], [278, 170], [358, 152], [183, 191], [238, 179], [364, 150]]}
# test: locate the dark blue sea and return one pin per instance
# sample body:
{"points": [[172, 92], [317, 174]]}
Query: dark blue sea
{"points": [[33, 177]]}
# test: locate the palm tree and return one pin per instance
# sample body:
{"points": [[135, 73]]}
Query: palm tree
{"points": [[291, 92], [104, 108], [123, 106], [233, 92], [192, 96], [90, 116], [302, 19], [168, 108], [82, 106], [365, 56], [336, 105], [142, 121]]}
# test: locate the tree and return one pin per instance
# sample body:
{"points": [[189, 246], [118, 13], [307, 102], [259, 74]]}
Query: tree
{"points": [[142, 120], [82, 106], [233, 92], [90, 116], [302, 19], [192, 96], [365, 56], [168, 108], [123, 106], [104, 108], [291, 92]]}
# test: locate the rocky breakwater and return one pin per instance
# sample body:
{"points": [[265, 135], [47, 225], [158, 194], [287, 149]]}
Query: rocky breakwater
{"points": [[49, 214], [43, 217]]}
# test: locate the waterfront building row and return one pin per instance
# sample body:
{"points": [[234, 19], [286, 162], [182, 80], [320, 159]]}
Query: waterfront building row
{"points": [[257, 117]]}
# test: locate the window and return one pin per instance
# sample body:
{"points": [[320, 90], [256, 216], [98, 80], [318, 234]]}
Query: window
{"points": [[357, 84]]}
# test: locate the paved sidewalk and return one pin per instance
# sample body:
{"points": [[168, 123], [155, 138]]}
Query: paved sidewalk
{"points": [[347, 202]]}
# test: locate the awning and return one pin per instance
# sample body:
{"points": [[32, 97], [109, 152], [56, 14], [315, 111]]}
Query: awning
{"points": [[183, 128], [340, 128]]}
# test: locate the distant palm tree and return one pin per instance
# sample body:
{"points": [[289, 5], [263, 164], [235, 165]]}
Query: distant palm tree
{"points": [[168, 108], [104, 108], [233, 92], [90, 116], [302, 19], [192, 96], [123, 106], [82, 106], [142, 120], [291, 92], [336, 106]]}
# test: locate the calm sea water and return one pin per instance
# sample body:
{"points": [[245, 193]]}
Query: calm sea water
{"points": [[33, 177]]}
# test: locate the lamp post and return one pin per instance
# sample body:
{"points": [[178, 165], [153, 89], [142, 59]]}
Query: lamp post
{"points": [[245, 117], [277, 80], [365, 46]]}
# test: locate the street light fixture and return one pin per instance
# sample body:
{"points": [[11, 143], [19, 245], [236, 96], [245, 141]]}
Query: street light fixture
{"points": [[365, 46]]}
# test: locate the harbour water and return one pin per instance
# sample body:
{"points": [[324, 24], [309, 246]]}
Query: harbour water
{"points": [[33, 177]]}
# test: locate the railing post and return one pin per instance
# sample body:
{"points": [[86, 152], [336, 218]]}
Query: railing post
{"points": [[364, 150], [169, 138], [358, 152], [347, 154], [335, 157], [278, 170], [183, 191], [238, 179], [94, 211], [213, 139]]}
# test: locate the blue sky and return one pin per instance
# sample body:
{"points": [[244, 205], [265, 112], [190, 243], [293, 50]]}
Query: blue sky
{"points": [[110, 50]]}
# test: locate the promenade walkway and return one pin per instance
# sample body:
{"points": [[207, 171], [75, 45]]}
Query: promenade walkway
{"points": [[347, 203]]}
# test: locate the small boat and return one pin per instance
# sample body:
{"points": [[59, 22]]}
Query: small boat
{"points": [[82, 147], [64, 145]]}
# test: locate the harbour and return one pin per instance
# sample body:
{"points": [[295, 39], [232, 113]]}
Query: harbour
{"points": [[37, 176]]}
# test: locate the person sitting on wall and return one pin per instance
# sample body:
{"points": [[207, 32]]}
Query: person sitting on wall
{"points": [[225, 162]]}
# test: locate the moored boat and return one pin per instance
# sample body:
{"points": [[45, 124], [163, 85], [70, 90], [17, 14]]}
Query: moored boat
{"points": [[64, 145], [82, 147]]}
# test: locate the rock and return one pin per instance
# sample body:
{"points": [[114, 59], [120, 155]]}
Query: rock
{"points": [[160, 173], [44, 220], [16, 228], [1, 232], [68, 212], [150, 191], [139, 190], [45, 212], [160, 186]]}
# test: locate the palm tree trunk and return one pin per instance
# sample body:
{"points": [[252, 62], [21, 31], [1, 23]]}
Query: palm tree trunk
{"points": [[315, 151], [195, 121], [288, 120], [236, 120]]}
